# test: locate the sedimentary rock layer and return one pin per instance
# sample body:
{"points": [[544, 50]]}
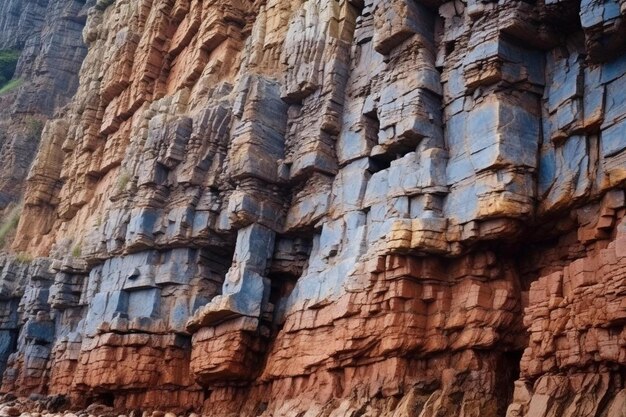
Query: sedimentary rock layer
{"points": [[330, 208], [47, 35]]}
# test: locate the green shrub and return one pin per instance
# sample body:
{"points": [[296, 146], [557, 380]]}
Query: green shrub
{"points": [[8, 63], [24, 257], [123, 181], [10, 86], [35, 127], [77, 251], [9, 224]]}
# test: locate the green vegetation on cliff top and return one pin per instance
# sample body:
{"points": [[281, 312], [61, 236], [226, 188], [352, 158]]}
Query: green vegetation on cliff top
{"points": [[9, 224], [10, 86], [8, 63]]}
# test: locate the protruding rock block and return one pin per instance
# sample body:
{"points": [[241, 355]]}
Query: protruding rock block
{"points": [[398, 20], [231, 351]]}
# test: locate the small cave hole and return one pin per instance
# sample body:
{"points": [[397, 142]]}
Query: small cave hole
{"points": [[105, 398], [449, 48], [282, 286], [510, 373], [206, 393]]}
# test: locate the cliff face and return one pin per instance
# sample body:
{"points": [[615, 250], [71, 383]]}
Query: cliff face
{"points": [[47, 35], [327, 208]]}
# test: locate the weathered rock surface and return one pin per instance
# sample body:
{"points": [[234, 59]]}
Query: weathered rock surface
{"points": [[48, 35], [330, 208]]}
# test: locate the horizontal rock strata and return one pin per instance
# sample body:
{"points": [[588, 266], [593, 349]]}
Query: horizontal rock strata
{"points": [[328, 208]]}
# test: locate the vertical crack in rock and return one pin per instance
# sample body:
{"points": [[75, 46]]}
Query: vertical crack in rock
{"points": [[315, 207]]}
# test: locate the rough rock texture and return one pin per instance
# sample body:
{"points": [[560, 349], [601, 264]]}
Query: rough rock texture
{"points": [[48, 34], [331, 208]]}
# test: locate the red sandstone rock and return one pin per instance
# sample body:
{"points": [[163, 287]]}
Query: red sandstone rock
{"points": [[330, 208]]}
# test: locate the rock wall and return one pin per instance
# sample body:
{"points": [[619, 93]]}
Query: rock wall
{"points": [[48, 35], [331, 208]]}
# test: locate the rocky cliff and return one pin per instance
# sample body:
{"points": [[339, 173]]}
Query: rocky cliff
{"points": [[45, 36], [323, 208]]}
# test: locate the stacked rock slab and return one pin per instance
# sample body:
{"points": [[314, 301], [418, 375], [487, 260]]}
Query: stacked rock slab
{"points": [[331, 208]]}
